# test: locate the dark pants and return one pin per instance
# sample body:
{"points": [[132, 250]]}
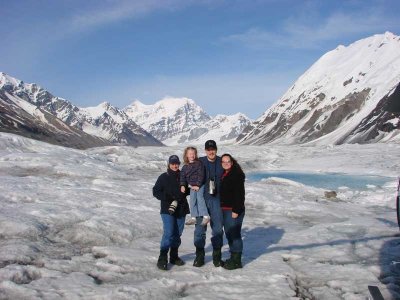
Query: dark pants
{"points": [[173, 228], [215, 212], [233, 230]]}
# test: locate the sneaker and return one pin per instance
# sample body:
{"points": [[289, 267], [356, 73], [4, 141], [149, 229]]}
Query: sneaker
{"points": [[206, 220], [191, 221]]}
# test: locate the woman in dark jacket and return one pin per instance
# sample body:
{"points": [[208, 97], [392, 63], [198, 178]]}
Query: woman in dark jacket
{"points": [[174, 208], [232, 195]]}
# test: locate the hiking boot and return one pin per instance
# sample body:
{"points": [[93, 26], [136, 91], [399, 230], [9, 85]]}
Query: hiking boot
{"points": [[199, 259], [216, 255], [234, 262], [174, 258], [163, 260]]}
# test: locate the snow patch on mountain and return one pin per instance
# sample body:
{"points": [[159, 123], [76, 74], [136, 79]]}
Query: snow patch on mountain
{"points": [[329, 101], [104, 121]]}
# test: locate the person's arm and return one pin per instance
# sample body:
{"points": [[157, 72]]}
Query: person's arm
{"points": [[238, 196], [158, 189], [182, 177]]}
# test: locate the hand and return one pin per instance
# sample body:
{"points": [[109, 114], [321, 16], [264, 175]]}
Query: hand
{"points": [[195, 188], [234, 215], [182, 189]]}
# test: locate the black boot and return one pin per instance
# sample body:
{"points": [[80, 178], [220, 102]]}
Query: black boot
{"points": [[174, 258], [235, 262], [216, 255], [199, 260], [163, 260]]}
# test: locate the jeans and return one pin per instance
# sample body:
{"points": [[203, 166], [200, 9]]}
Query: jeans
{"points": [[197, 203], [172, 231], [233, 229], [215, 212]]}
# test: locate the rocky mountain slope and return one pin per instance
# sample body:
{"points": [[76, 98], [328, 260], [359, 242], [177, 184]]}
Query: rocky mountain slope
{"points": [[32, 111], [350, 95]]}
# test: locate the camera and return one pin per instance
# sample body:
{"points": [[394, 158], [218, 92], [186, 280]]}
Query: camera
{"points": [[211, 189], [172, 207]]}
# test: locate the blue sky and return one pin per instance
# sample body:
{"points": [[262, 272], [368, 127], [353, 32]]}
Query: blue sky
{"points": [[227, 55]]}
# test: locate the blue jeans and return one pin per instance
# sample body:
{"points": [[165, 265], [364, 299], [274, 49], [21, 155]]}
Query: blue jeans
{"points": [[233, 231], [197, 203], [215, 212], [172, 231]]}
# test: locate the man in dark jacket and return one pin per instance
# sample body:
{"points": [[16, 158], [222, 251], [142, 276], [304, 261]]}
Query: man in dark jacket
{"points": [[174, 208], [213, 172]]}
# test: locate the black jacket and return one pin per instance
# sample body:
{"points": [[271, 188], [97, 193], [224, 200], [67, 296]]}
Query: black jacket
{"points": [[232, 191], [167, 189]]}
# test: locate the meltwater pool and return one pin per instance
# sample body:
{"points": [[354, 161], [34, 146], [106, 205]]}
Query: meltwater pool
{"points": [[331, 181]]}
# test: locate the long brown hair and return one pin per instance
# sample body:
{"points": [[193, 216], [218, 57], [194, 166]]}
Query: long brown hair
{"points": [[185, 159], [235, 164]]}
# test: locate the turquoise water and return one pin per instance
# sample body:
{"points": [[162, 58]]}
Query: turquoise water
{"points": [[331, 181]]}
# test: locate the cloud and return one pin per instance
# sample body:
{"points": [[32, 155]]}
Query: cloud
{"points": [[61, 21], [116, 11], [300, 33]]}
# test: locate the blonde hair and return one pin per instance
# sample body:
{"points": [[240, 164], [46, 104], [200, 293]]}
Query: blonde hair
{"points": [[185, 158]]}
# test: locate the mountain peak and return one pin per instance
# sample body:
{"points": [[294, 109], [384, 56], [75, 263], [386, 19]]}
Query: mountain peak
{"points": [[181, 121], [390, 35], [104, 104], [137, 102], [332, 98], [175, 102], [6, 79], [34, 112]]}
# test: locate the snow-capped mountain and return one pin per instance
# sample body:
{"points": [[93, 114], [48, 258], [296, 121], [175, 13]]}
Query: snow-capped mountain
{"points": [[350, 95], [180, 120], [20, 116], [105, 123], [113, 124], [226, 129]]}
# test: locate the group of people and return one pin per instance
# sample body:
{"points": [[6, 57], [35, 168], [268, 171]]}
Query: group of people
{"points": [[217, 194]]}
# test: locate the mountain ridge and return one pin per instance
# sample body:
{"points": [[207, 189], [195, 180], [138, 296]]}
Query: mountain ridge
{"points": [[109, 126], [181, 121], [327, 103]]}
